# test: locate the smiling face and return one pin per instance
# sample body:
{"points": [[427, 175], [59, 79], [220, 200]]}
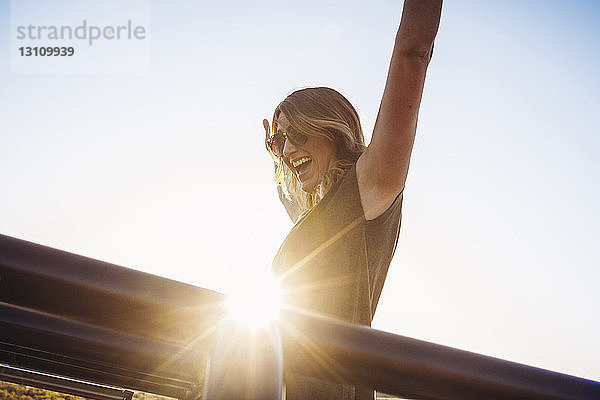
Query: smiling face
{"points": [[309, 161]]}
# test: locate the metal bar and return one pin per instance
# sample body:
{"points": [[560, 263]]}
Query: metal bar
{"points": [[413, 368], [83, 318], [246, 364], [103, 294], [44, 289], [70, 348], [63, 385], [135, 381]]}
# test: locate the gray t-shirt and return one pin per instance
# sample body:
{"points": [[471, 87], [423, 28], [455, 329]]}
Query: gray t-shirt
{"points": [[334, 263]]}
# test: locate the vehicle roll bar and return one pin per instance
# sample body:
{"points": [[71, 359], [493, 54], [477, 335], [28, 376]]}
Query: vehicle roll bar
{"points": [[82, 319]]}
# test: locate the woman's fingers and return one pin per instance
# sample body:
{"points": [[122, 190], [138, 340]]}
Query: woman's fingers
{"points": [[267, 128]]}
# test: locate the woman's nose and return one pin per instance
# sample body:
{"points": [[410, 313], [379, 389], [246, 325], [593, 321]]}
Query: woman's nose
{"points": [[288, 148]]}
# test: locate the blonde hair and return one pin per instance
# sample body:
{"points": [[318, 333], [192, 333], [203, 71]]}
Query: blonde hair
{"points": [[319, 112]]}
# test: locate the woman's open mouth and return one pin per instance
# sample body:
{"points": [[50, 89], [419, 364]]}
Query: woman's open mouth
{"points": [[301, 165]]}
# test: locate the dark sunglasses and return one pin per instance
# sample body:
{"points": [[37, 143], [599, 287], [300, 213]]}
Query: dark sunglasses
{"points": [[276, 142]]}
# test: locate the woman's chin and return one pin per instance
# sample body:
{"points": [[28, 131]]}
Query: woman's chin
{"points": [[308, 186]]}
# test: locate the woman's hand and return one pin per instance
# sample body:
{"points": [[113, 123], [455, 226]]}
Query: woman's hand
{"points": [[267, 130]]}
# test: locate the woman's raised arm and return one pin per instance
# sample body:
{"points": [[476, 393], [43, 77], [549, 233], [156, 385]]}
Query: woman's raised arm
{"points": [[382, 168]]}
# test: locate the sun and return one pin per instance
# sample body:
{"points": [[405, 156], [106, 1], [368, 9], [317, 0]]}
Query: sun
{"points": [[254, 301]]}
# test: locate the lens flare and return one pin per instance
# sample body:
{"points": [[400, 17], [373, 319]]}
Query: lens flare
{"points": [[254, 302]]}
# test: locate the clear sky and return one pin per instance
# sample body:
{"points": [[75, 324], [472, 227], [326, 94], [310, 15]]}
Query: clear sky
{"points": [[165, 170]]}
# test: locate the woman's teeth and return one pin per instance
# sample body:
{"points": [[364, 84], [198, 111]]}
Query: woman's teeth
{"points": [[301, 161]]}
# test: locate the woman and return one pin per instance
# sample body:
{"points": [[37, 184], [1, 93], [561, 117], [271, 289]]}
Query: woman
{"points": [[345, 198]]}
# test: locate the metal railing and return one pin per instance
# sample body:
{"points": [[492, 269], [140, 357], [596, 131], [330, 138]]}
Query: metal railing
{"points": [[60, 384], [83, 319]]}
